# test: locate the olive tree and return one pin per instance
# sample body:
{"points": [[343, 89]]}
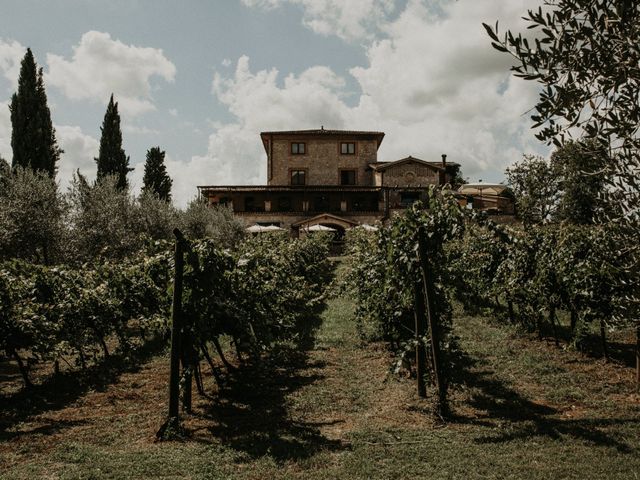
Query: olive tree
{"points": [[32, 212]]}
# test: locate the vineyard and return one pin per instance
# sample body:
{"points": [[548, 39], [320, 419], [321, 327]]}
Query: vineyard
{"points": [[279, 359], [522, 277]]}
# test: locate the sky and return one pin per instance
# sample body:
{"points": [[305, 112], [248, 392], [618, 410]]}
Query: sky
{"points": [[202, 78]]}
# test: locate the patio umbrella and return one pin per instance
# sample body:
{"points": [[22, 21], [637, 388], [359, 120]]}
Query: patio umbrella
{"points": [[262, 229], [368, 228], [320, 228]]}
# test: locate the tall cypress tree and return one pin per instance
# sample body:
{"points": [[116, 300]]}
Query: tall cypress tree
{"points": [[33, 138], [156, 180], [111, 157]]}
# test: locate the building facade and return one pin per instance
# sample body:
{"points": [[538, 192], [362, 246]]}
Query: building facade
{"points": [[331, 178]]}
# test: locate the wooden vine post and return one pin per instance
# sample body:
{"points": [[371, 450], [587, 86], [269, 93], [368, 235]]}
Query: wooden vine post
{"points": [[172, 424], [429, 295], [421, 356]]}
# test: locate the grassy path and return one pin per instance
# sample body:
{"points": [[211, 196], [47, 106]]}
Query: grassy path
{"points": [[331, 410]]}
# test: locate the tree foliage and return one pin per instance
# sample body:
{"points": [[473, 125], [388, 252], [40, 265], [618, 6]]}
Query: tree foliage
{"points": [[536, 189], [200, 220], [111, 157], [156, 180], [33, 137], [102, 219], [585, 55], [32, 213], [580, 168]]}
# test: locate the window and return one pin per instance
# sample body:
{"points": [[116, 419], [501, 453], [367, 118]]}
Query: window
{"points": [[298, 177], [348, 148], [347, 177], [298, 148], [409, 198]]}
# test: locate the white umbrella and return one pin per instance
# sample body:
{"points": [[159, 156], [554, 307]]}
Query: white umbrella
{"points": [[261, 228], [320, 228], [368, 228]]}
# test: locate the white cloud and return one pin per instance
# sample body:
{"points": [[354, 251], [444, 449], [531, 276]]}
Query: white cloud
{"points": [[79, 153], [348, 19], [139, 129], [11, 54], [434, 86], [101, 65], [185, 176], [443, 89], [5, 132], [305, 101]]}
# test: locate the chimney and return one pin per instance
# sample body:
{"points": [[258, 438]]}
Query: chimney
{"points": [[443, 174]]}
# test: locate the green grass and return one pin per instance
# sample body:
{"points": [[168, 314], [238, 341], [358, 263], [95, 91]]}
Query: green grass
{"points": [[527, 410]]}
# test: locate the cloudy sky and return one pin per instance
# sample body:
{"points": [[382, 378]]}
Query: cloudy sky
{"points": [[202, 78]]}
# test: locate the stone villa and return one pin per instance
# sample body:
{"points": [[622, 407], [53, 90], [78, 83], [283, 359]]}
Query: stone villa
{"points": [[331, 178]]}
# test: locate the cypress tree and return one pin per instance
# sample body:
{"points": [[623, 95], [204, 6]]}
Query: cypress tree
{"points": [[156, 180], [111, 157], [33, 138]]}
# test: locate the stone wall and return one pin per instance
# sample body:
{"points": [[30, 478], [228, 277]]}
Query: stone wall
{"points": [[409, 175], [322, 160]]}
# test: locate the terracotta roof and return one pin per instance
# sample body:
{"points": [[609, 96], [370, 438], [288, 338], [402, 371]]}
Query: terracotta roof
{"points": [[322, 131], [384, 165]]}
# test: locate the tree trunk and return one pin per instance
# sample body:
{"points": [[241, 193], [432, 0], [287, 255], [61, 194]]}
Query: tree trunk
{"points": [[199, 383], [539, 324], [638, 359], [45, 253], [187, 377], [83, 361], [23, 369], [512, 317], [497, 300], [214, 370], [603, 337], [226, 363], [237, 347], [574, 322], [104, 346], [552, 320]]}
